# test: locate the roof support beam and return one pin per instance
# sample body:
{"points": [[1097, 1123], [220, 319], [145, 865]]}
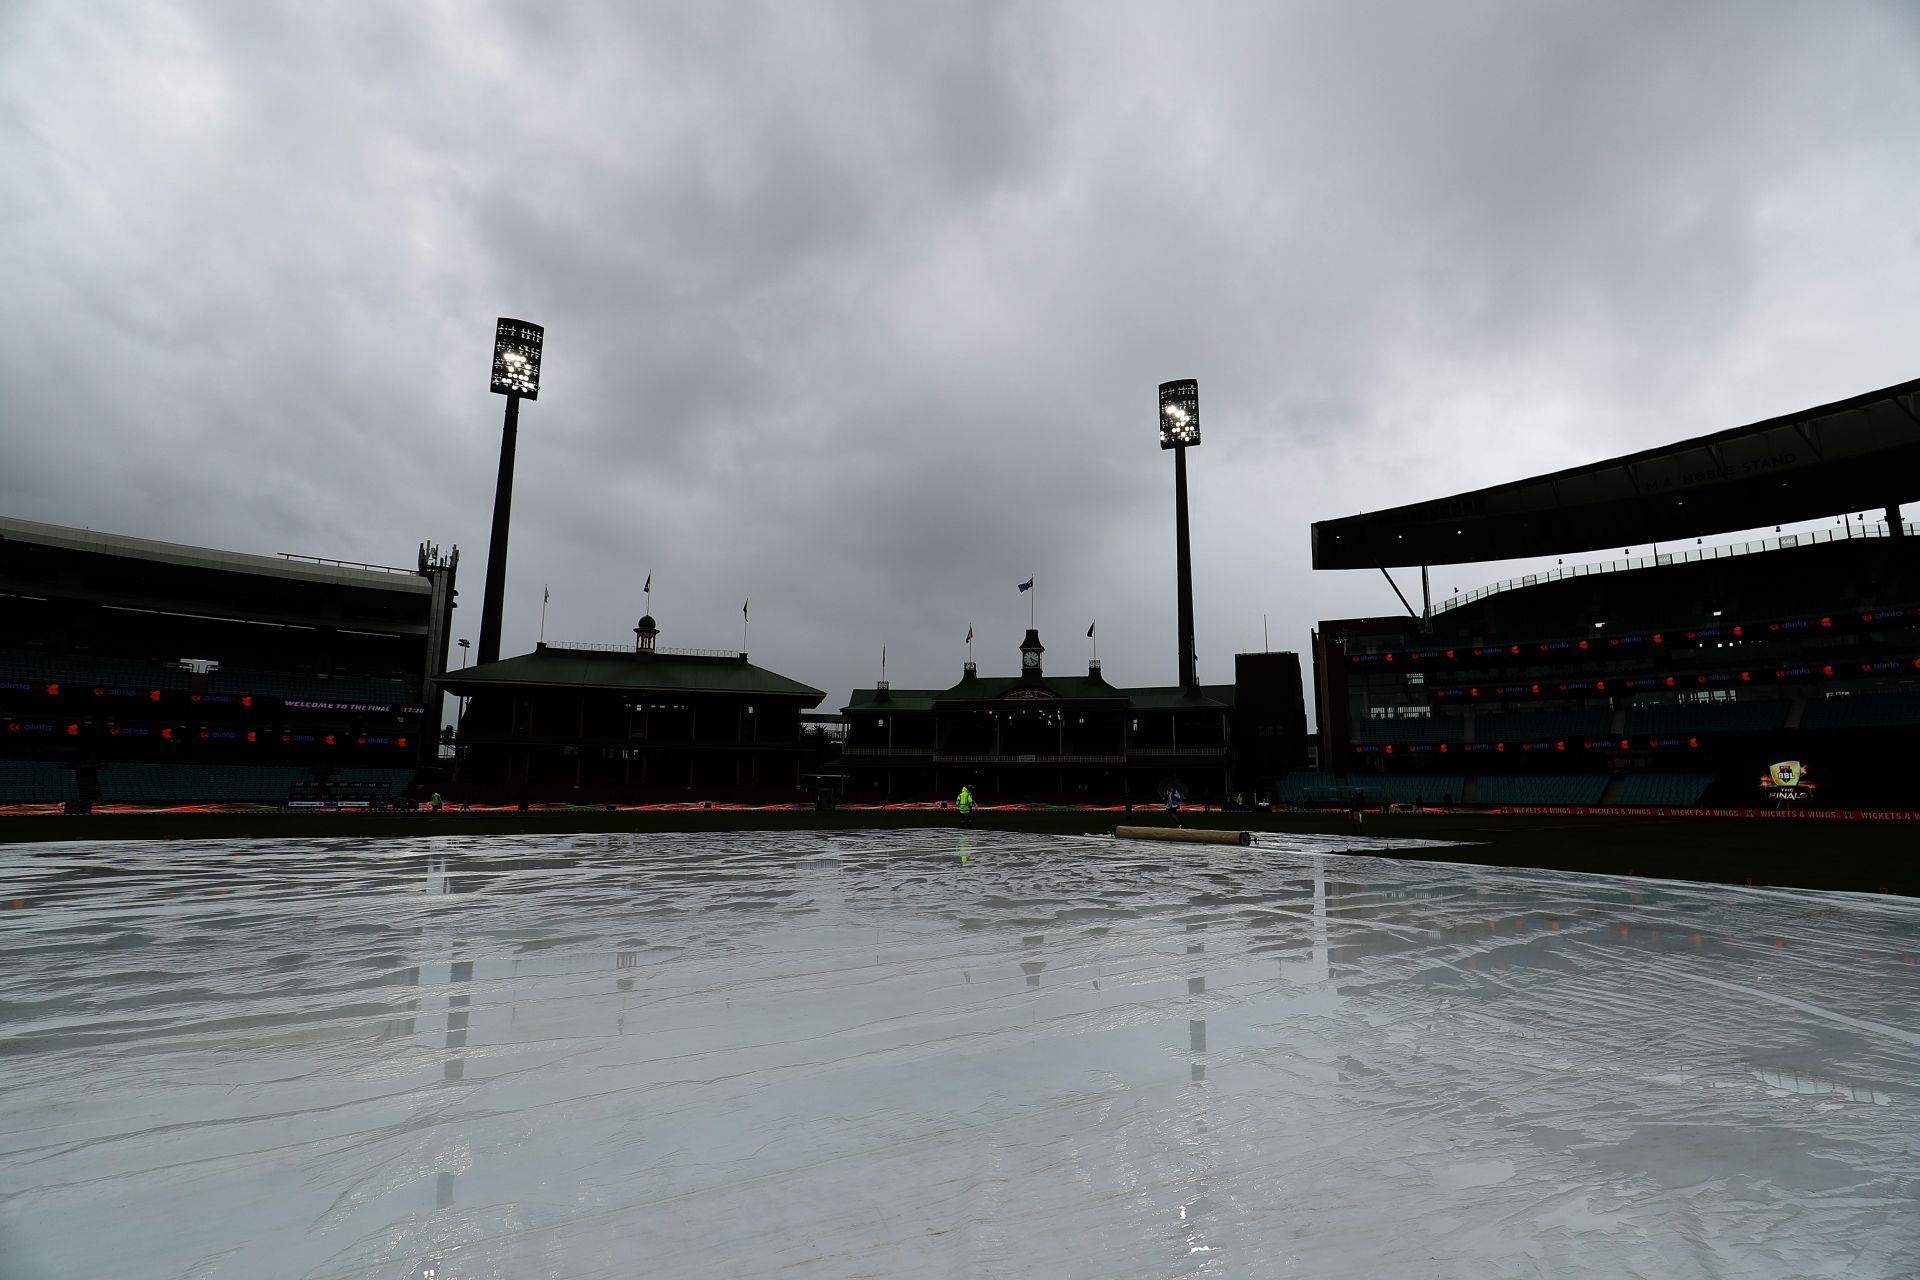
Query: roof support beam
{"points": [[1397, 591]]}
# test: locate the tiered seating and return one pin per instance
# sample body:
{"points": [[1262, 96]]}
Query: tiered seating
{"points": [[1538, 726], [1664, 788], [1708, 717], [1304, 787], [36, 782], [1375, 732], [292, 684], [393, 781], [1862, 711], [82, 670], [1540, 788], [190, 783], [339, 791], [1430, 788]]}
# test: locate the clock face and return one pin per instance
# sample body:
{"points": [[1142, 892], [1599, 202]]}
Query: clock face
{"points": [[1029, 659]]}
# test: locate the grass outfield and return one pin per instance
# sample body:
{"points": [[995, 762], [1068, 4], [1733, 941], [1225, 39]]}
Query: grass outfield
{"points": [[1810, 854]]}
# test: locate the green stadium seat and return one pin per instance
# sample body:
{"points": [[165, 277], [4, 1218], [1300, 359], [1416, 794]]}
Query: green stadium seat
{"points": [[37, 782], [81, 670], [1540, 726], [1540, 788], [1862, 710], [1304, 787], [1424, 788], [1377, 732], [1746, 716], [1681, 789], [294, 684], [197, 784], [394, 780]]}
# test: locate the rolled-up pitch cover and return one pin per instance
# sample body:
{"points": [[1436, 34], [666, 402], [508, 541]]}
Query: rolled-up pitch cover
{"points": [[1183, 835]]}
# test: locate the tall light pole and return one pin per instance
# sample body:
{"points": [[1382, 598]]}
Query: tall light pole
{"points": [[465, 644], [1180, 431], [516, 375]]}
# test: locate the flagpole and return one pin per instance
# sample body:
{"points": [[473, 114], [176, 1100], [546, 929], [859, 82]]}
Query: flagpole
{"points": [[544, 596], [1032, 592], [743, 624]]}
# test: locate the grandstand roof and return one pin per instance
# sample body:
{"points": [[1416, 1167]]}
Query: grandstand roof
{"points": [[1846, 456], [302, 569], [562, 666]]}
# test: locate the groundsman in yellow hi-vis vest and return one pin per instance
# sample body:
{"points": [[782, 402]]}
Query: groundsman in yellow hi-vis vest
{"points": [[965, 805]]}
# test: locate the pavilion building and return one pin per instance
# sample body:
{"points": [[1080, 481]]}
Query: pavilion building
{"points": [[1074, 738], [604, 724]]}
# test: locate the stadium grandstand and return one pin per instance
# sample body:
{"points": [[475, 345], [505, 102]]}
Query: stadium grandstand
{"points": [[148, 673], [1678, 678]]}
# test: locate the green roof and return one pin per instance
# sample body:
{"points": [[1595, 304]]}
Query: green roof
{"points": [[1173, 696], [553, 666], [1074, 688], [896, 699]]}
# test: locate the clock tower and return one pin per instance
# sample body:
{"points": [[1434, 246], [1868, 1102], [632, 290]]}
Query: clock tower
{"points": [[1030, 651]]}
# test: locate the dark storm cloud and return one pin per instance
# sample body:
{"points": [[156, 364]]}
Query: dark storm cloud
{"points": [[858, 310]]}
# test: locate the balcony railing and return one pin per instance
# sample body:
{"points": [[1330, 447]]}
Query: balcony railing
{"points": [[659, 742], [1029, 759], [596, 647], [1691, 555], [348, 564]]}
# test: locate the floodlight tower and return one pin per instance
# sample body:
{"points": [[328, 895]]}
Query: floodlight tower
{"points": [[516, 375], [1179, 431]]}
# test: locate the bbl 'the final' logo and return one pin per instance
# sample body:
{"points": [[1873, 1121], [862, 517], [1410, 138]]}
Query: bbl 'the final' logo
{"points": [[1786, 782]]}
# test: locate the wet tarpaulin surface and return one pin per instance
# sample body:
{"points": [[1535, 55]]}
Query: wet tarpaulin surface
{"points": [[939, 1053]]}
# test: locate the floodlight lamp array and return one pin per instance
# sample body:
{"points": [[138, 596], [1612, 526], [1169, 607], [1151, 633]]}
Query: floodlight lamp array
{"points": [[1179, 414], [516, 358]]}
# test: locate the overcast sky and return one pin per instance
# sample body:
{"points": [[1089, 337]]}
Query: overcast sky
{"points": [[858, 309]]}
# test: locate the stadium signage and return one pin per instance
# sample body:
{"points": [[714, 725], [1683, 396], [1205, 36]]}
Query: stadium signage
{"points": [[307, 704], [1786, 782], [1689, 479], [1698, 467], [1657, 811]]}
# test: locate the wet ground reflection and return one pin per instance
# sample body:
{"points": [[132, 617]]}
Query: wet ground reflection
{"points": [[966, 1053]]}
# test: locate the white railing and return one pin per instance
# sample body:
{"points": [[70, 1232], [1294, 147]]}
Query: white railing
{"points": [[1689, 556], [593, 647], [1215, 750], [348, 564], [1027, 758]]}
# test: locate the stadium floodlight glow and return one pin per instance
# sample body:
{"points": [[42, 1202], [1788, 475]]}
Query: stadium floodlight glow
{"points": [[516, 358], [1179, 414]]}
